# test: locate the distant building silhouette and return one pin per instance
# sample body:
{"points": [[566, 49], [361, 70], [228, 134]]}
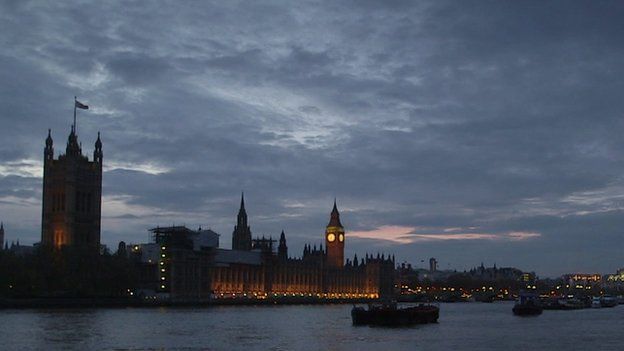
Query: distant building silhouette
{"points": [[121, 249], [72, 195], [241, 237], [433, 264]]}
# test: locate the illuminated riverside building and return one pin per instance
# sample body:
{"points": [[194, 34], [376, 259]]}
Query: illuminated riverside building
{"points": [[72, 195], [615, 280], [584, 279], [617, 277], [185, 264]]}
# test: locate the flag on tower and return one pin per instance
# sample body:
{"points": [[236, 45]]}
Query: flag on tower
{"points": [[81, 105]]}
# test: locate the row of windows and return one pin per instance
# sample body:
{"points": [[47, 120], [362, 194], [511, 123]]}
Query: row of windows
{"points": [[84, 202], [58, 202]]}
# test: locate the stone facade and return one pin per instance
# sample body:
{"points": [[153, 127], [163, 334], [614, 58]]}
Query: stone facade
{"points": [[72, 195]]}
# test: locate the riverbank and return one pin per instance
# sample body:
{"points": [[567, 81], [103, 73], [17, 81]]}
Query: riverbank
{"points": [[102, 302]]}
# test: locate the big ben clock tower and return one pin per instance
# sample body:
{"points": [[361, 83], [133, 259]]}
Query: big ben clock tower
{"points": [[334, 240]]}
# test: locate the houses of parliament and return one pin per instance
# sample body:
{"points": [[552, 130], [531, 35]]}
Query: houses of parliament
{"points": [[186, 264]]}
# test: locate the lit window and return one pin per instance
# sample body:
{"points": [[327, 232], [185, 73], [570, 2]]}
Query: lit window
{"points": [[163, 248], [162, 263], [162, 286], [163, 255]]}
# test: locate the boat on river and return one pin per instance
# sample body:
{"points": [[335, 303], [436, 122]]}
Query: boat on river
{"points": [[608, 301], [388, 314], [528, 304]]}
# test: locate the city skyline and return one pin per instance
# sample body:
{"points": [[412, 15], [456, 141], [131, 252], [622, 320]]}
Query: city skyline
{"points": [[487, 137]]}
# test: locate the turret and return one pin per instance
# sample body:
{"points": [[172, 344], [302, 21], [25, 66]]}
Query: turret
{"points": [[48, 152], [97, 153], [282, 249]]}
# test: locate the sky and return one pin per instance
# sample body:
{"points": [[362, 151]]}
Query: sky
{"points": [[471, 131]]}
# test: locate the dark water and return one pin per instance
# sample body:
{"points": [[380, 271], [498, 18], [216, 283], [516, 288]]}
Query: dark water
{"points": [[467, 326]]}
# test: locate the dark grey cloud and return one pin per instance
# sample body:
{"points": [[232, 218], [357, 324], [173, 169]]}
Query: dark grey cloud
{"points": [[138, 70], [483, 120]]}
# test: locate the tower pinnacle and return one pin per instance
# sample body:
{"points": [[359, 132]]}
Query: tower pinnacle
{"points": [[97, 153], [49, 138], [48, 152]]}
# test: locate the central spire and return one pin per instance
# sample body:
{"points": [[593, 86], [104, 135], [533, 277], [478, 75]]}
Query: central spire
{"points": [[282, 249], [242, 214], [73, 148], [241, 237]]}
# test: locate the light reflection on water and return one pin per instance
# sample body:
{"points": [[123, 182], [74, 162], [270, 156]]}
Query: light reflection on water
{"points": [[467, 326]]}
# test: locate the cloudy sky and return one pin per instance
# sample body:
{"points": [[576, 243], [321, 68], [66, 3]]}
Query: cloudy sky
{"points": [[467, 131]]}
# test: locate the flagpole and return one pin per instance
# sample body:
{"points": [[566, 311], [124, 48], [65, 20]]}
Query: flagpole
{"points": [[75, 116]]}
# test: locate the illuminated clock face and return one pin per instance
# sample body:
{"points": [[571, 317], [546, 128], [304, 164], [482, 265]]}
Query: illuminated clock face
{"points": [[341, 237], [331, 237]]}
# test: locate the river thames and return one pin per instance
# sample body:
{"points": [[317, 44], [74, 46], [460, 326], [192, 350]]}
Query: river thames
{"points": [[462, 326]]}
